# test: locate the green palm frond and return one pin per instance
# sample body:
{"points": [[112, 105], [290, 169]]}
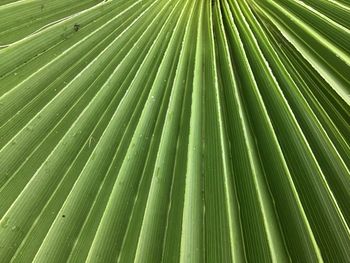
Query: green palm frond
{"points": [[174, 131]]}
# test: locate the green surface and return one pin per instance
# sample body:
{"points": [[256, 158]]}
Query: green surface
{"points": [[174, 131]]}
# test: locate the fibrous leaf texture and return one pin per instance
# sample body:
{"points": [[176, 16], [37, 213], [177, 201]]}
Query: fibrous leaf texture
{"points": [[174, 131]]}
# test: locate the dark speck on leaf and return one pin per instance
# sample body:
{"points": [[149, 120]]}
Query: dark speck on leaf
{"points": [[63, 215], [76, 27]]}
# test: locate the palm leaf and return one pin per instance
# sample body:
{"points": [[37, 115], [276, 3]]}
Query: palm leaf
{"points": [[166, 131]]}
